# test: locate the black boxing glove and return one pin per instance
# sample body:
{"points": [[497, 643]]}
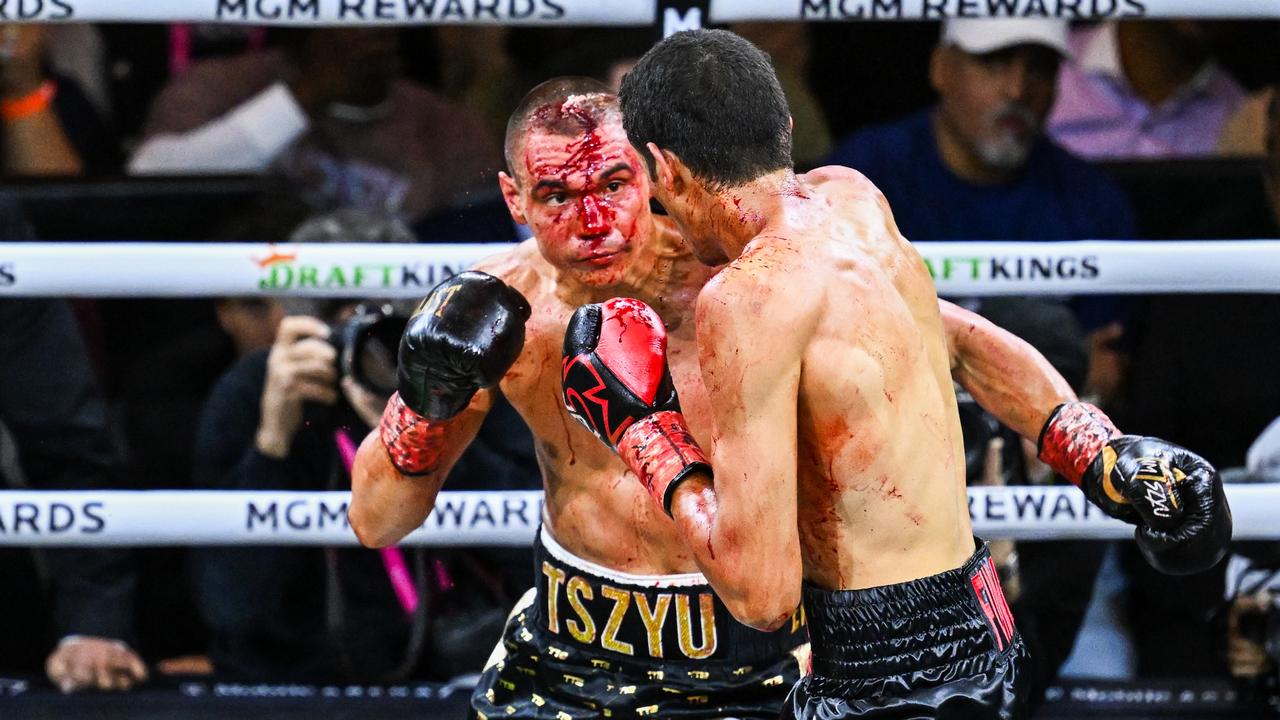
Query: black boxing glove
{"points": [[1172, 495], [617, 384], [464, 336]]}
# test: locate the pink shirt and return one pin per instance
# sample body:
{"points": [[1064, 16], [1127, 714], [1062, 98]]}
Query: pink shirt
{"points": [[1097, 114]]}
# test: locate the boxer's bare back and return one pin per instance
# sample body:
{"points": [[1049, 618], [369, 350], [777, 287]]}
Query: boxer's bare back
{"points": [[824, 348]]}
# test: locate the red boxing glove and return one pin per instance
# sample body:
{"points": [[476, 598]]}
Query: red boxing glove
{"points": [[413, 442], [617, 384]]}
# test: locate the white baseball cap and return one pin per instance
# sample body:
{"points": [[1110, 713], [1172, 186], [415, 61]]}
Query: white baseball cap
{"points": [[979, 36]]}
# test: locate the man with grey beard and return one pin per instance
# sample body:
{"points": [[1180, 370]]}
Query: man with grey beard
{"points": [[978, 166]]}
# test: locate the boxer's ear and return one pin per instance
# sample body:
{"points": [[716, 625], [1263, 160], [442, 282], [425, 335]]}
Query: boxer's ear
{"points": [[665, 173], [511, 194]]}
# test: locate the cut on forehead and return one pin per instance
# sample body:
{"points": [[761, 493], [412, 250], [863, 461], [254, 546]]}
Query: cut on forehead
{"points": [[567, 106]]}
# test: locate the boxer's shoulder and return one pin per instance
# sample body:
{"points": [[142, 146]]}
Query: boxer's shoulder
{"points": [[520, 266], [827, 173], [847, 188], [839, 177], [768, 281]]}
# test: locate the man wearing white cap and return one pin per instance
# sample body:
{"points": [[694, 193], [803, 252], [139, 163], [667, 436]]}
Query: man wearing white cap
{"points": [[977, 166], [996, 82]]}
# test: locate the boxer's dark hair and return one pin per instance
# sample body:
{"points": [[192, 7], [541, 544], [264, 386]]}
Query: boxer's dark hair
{"points": [[713, 99], [543, 109]]}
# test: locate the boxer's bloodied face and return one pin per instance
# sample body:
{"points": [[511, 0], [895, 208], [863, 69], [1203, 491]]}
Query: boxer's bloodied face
{"points": [[584, 196]]}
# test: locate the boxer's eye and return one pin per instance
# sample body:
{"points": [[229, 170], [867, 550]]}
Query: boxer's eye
{"points": [[614, 186], [554, 199]]}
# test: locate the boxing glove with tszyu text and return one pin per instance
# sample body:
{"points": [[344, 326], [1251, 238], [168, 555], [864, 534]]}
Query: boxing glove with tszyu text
{"points": [[464, 336], [617, 384], [1172, 495]]}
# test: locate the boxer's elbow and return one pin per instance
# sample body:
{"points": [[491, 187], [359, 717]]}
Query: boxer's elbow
{"points": [[765, 608], [369, 520], [369, 529], [376, 496]]}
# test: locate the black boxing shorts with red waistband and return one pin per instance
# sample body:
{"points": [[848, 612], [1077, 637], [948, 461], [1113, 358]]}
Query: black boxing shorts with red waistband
{"points": [[943, 646], [589, 642]]}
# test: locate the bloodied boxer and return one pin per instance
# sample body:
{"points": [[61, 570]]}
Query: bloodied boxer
{"points": [[827, 400], [620, 623]]}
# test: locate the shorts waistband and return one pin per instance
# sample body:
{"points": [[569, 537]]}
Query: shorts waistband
{"points": [[645, 618], [953, 616], [568, 559]]}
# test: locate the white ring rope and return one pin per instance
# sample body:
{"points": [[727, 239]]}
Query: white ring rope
{"points": [[603, 12], [87, 269], [723, 11], [497, 518], [337, 12]]}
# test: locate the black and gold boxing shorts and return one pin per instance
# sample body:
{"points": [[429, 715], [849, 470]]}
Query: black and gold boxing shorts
{"points": [[589, 642], [943, 646]]}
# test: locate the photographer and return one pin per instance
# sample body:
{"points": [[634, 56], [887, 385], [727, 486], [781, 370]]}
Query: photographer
{"points": [[281, 420]]}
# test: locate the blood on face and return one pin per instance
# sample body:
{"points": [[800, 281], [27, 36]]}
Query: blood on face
{"points": [[586, 201]]}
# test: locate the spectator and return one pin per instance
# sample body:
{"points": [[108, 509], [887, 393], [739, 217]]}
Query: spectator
{"points": [[51, 407], [299, 613], [1143, 89], [977, 166], [50, 126], [331, 112]]}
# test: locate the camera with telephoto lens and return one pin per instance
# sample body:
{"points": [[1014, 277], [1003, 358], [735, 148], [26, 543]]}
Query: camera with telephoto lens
{"points": [[368, 345]]}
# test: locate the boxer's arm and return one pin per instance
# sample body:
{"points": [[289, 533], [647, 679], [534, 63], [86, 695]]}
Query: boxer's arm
{"points": [[1173, 496], [741, 527], [1006, 375], [462, 339], [387, 504]]}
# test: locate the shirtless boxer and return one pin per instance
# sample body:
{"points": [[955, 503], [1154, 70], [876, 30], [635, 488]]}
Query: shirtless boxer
{"points": [[619, 608], [619, 620], [835, 436]]}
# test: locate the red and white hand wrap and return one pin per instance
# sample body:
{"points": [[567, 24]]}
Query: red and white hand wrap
{"points": [[1072, 438], [413, 442], [1173, 496], [616, 383], [660, 450]]}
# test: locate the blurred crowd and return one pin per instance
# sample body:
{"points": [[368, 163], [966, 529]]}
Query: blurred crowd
{"points": [[1031, 132]]}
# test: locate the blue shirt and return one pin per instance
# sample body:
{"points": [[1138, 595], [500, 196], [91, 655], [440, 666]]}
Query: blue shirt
{"points": [[1056, 196]]}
